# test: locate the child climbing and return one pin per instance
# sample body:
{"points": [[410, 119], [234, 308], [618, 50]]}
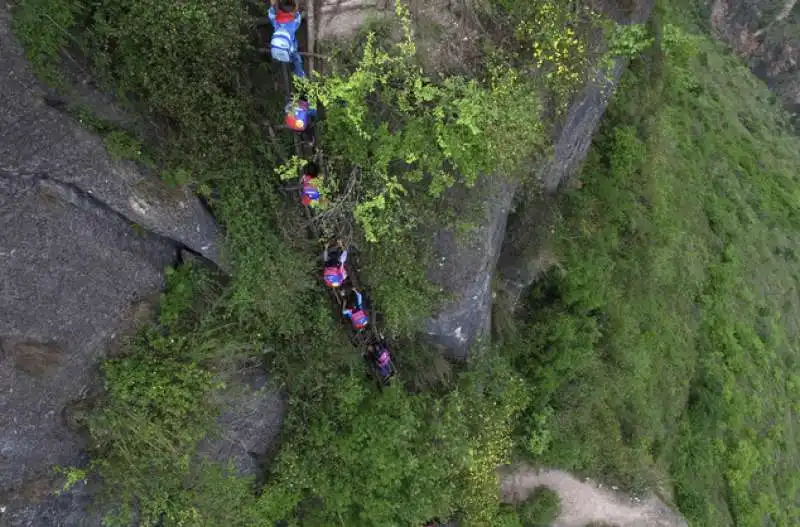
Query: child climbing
{"points": [[300, 118], [309, 193], [334, 272], [380, 355], [354, 309], [286, 21]]}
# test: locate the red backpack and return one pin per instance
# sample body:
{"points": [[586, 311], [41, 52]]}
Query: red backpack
{"points": [[360, 319], [334, 276]]}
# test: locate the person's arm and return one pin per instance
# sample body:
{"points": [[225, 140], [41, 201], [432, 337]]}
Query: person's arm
{"points": [[358, 300], [271, 14], [343, 256]]}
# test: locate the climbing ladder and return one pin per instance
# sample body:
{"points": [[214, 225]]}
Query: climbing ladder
{"points": [[361, 339]]}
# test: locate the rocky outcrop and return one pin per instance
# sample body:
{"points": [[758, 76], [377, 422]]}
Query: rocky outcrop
{"points": [[250, 421], [464, 267], [468, 266], [71, 277], [766, 34], [84, 241], [336, 19], [36, 139], [525, 253], [511, 256]]}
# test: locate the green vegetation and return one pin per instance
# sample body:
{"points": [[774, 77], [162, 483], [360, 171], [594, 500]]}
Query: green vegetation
{"points": [[362, 458], [542, 508], [661, 351], [663, 345]]}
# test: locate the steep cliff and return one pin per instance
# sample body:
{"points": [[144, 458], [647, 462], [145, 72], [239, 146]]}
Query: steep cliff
{"points": [[448, 36], [525, 253], [766, 34], [74, 276], [508, 252], [84, 241], [38, 139], [464, 268]]}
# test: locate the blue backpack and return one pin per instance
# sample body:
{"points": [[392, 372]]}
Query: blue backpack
{"points": [[282, 45]]}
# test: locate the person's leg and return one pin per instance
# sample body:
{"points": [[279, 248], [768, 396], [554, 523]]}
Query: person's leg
{"points": [[297, 60], [306, 136]]}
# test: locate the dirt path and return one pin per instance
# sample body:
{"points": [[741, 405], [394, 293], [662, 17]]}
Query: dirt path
{"points": [[586, 502]]}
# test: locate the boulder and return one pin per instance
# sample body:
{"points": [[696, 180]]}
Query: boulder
{"points": [[464, 267], [252, 413]]}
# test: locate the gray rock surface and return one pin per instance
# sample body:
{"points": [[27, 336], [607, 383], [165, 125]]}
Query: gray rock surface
{"points": [[343, 18], [251, 418], [71, 275], [574, 137], [38, 139], [83, 244], [465, 266]]}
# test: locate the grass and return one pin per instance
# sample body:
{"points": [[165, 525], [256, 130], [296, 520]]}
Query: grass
{"points": [[663, 351]]}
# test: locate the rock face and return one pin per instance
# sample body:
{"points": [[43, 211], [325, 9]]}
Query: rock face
{"points": [[465, 266], [251, 418], [343, 18], [36, 139], [525, 249], [513, 256], [766, 34], [84, 241], [69, 271]]}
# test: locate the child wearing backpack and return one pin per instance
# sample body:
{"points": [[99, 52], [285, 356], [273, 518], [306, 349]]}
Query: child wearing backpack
{"points": [[283, 45], [309, 192], [353, 309]]}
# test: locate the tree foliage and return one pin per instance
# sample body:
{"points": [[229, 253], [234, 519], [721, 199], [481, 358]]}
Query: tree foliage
{"points": [[407, 136], [391, 458]]}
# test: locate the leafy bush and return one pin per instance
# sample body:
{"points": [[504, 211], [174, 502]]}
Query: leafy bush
{"points": [[541, 508], [121, 145], [392, 458], [552, 37], [180, 64], [408, 139], [181, 60]]}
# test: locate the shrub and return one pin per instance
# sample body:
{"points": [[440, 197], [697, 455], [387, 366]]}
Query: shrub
{"points": [[541, 508]]}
